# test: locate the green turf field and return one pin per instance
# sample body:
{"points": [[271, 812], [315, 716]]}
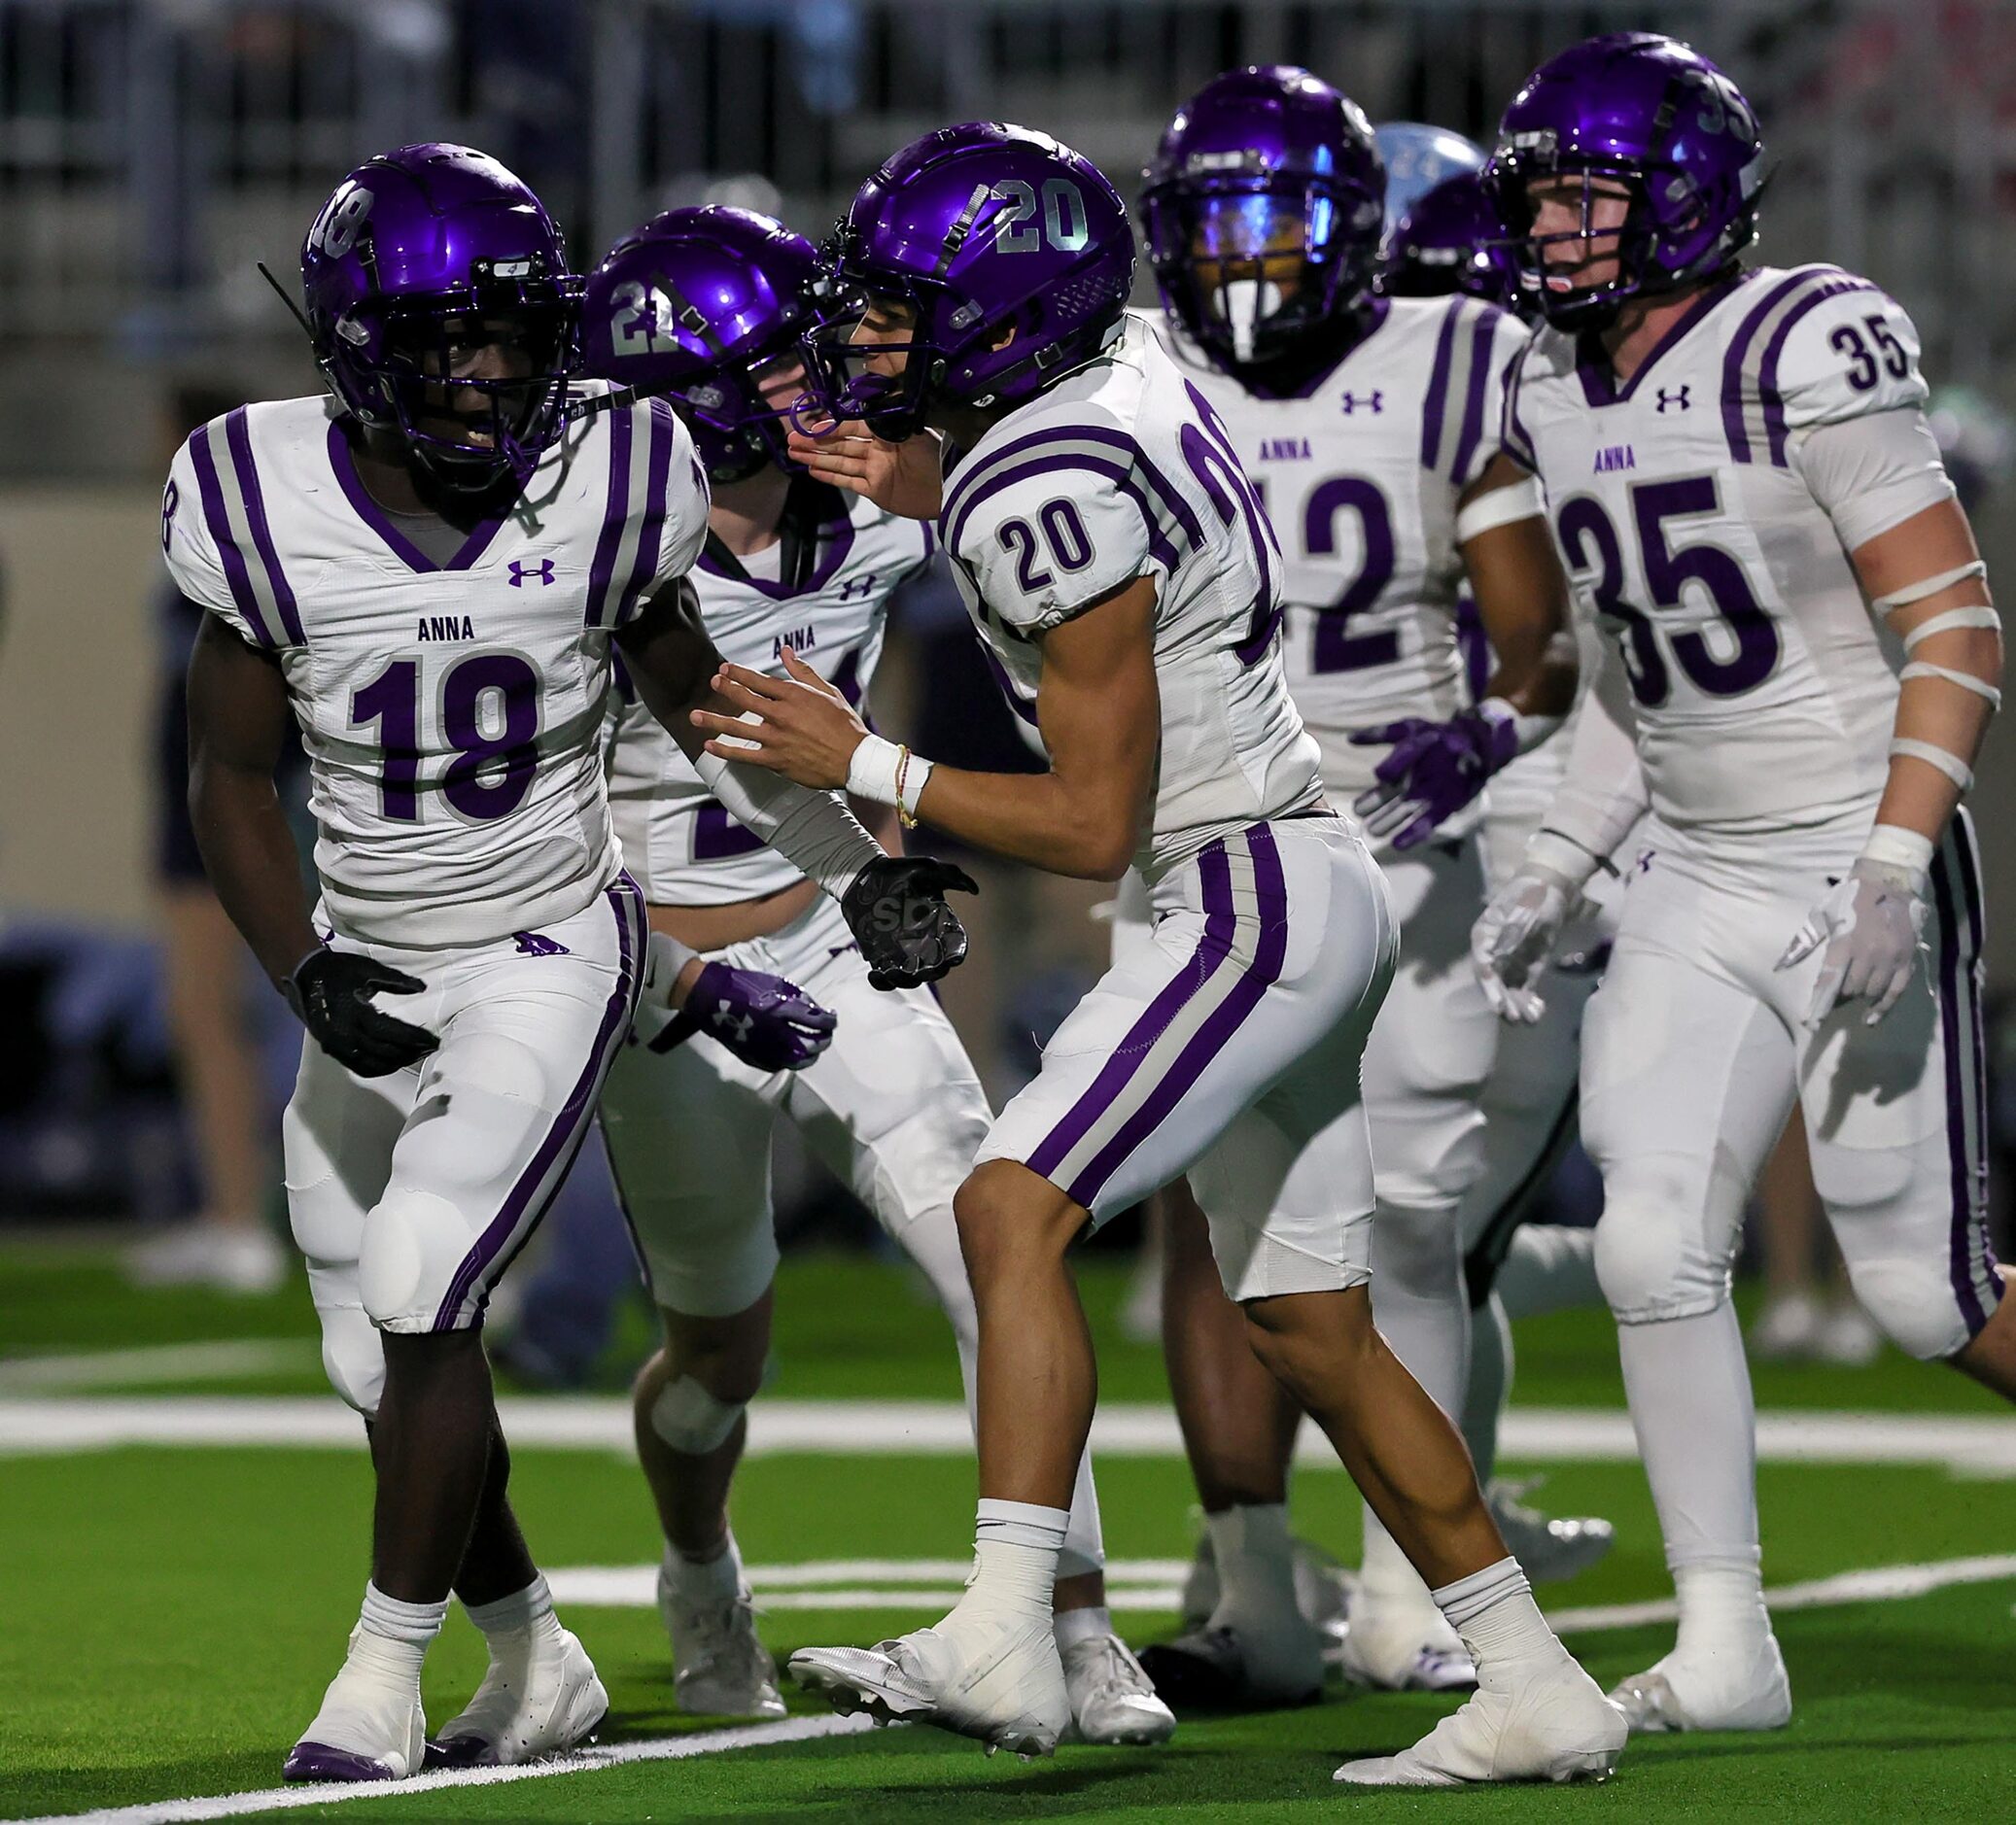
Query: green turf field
{"points": [[174, 1609]]}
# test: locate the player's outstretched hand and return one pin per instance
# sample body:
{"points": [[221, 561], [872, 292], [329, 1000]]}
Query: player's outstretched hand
{"points": [[1510, 943], [895, 907], [902, 478], [799, 726], [767, 1021], [1872, 923], [1434, 771], [332, 992]]}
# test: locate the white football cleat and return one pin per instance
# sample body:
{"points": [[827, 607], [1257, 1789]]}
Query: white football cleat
{"points": [[1549, 1549], [370, 1726], [1010, 1693], [540, 1697], [1403, 1649], [1112, 1700], [720, 1667], [229, 1257], [1746, 1689], [1553, 1724]]}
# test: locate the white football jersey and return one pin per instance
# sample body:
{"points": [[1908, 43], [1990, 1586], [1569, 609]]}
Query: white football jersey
{"points": [[452, 712], [1361, 473], [1123, 469], [826, 597], [1764, 691]]}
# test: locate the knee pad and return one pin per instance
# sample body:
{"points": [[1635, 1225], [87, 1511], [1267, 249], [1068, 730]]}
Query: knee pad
{"points": [[353, 1358], [691, 1420], [414, 1246], [1651, 1267]]}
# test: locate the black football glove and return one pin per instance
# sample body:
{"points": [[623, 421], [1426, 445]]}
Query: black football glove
{"points": [[332, 990], [895, 907]]}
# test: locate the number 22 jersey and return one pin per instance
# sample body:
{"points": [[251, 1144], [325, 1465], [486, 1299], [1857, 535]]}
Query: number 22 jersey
{"points": [[1763, 691], [451, 710]]}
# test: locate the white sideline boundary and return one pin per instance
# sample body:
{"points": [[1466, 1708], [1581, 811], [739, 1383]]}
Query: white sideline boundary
{"points": [[1875, 1584], [1967, 1445], [228, 1360]]}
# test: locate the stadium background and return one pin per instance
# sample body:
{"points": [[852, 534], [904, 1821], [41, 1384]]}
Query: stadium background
{"points": [[153, 152]]}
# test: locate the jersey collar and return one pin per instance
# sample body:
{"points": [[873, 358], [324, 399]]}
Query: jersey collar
{"points": [[818, 531], [382, 523], [1592, 360]]}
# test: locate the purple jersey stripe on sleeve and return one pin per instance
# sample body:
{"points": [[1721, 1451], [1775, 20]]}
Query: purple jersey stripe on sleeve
{"points": [[650, 533], [220, 524], [1483, 340], [1773, 401], [534, 1190], [1160, 547], [238, 436], [979, 480], [1271, 951], [1736, 359], [615, 512], [1439, 387]]}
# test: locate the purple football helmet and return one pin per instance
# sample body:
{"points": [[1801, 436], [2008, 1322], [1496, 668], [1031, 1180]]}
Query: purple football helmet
{"points": [[1266, 174], [1450, 240], [978, 231], [1648, 109], [701, 305], [420, 258]]}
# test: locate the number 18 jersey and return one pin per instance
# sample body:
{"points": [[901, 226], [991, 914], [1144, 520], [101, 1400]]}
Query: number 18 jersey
{"points": [[1362, 474], [451, 710], [1765, 692]]}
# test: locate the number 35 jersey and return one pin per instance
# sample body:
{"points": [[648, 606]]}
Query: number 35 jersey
{"points": [[822, 591], [451, 710], [1764, 693], [1122, 470], [1362, 474]]}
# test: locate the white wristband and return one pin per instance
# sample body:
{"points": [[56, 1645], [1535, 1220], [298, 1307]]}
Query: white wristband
{"points": [[1892, 846], [871, 770], [1528, 731]]}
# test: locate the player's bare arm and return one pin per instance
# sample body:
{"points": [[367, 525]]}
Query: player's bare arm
{"points": [[1097, 707], [1521, 593]]}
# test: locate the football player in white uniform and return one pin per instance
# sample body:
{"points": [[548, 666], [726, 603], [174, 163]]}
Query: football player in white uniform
{"points": [[1749, 496], [1119, 566], [1370, 427], [708, 306], [427, 572]]}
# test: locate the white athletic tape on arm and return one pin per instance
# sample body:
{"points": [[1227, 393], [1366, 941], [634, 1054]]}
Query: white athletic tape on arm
{"points": [[1500, 507], [1928, 586], [1925, 669], [691, 1420], [886, 773], [1981, 616], [1951, 765], [1892, 846]]}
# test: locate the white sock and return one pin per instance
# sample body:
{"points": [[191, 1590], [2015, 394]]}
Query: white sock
{"points": [[1072, 1626], [1720, 1607], [1015, 1549], [529, 1611], [1252, 1547], [1690, 1406], [394, 1636], [715, 1581], [1494, 1612], [1386, 1581]]}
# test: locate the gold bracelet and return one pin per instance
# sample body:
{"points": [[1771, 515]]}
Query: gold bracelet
{"points": [[904, 819]]}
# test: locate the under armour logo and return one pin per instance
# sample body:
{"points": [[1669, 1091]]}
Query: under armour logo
{"points": [[737, 1026], [538, 945], [862, 586], [1677, 398], [1644, 861], [1374, 401], [540, 573]]}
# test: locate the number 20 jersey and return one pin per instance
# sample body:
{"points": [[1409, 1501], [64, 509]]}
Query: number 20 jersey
{"points": [[451, 711], [1361, 474], [1764, 693]]}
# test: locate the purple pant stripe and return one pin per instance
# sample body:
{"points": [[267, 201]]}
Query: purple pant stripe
{"points": [[220, 524], [1438, 389], [536, 1184], [601, 567], [1961, 1233], [1223, 1021], [1480, 341], [1968, 855], [238, 436], [1213, 948]]}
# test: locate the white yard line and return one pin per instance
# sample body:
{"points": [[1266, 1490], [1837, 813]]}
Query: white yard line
{"points": [[1967, 1445], [228, 1360], [1876, 1584]]}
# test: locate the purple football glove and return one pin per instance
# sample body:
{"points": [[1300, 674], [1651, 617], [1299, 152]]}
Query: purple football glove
{"points": [[1435, 770], [764, 1020]]}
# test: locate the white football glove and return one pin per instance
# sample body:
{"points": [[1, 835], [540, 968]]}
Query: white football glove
{"points": [[1872, 922], [1511, 943]]}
